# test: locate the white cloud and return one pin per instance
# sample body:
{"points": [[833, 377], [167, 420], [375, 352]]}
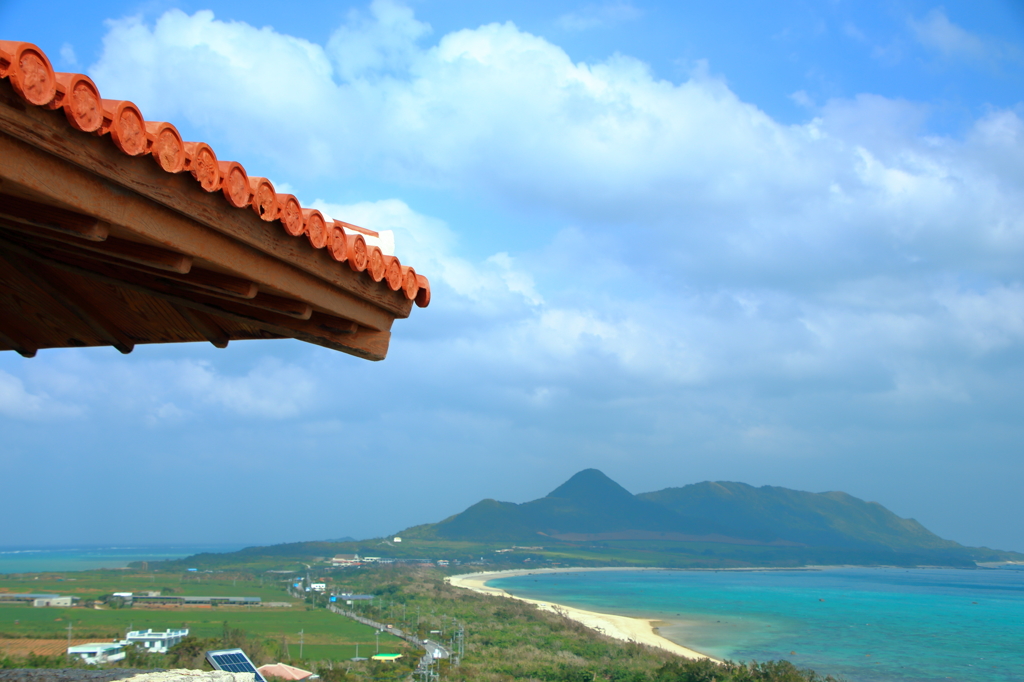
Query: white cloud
{"points": [[517, 281], [44, 399], [211, 72], [850, 30], [15, 401], [67, 55], [430, 246], [801, 98], [70, 383], [507, 115], [166, 413], [770, 225], [383, 43], [270, 390], [986, 320], [708, 242], [936, 31], [596, 16]]}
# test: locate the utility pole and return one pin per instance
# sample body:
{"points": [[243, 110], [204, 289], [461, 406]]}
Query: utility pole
{"points": [[302, 638], [377, 635], [459, 644], [68, 654]]}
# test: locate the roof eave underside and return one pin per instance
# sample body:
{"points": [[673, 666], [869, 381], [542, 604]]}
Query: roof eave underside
{"points": [[102, 249]]}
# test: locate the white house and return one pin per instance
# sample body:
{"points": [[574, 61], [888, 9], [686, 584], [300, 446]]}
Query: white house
{"points": [[52, 601], [98, 652], [156, 642]]}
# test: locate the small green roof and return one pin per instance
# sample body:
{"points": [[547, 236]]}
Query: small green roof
{"points": [[386, 657]]}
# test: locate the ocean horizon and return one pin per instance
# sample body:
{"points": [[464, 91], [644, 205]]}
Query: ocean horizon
{"points": [[860, 624], [61, 558]]}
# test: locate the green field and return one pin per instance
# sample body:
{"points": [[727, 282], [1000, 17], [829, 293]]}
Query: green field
{"points": [[92, 584], [326, 636], [317, 625]]}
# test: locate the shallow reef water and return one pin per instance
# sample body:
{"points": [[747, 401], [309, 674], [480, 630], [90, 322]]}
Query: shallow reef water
{"points": [[863, 624]]}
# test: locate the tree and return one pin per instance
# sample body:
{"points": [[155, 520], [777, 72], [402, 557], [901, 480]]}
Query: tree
{"points": [[190, 653], [138, 656]]}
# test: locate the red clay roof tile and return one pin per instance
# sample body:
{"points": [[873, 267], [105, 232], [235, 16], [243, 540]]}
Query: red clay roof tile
{"points": [[166, 146], [357, 257], [80, 99], [29, 71], [314, 227], [235, 184]]}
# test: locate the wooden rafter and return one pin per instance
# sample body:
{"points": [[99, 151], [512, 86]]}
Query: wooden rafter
{"points": [[204, 324], [51, 284], [320, 328], [197, 277], [14, 338], [36, 216]]}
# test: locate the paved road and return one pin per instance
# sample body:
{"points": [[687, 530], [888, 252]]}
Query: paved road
{"points": [[432, 649]]}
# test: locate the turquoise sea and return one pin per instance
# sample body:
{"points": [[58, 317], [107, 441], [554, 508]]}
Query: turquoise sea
{"points": [[863, 624], [83, 558]]}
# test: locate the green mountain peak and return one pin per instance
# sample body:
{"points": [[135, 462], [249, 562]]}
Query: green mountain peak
{"points": [[588, 485], [591, 508]]}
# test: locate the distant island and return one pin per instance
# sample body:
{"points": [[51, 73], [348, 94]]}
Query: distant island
{"points": [[590, 520]]}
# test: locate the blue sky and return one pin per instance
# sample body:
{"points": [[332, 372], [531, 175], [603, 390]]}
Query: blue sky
{"points": [[769, 242]]}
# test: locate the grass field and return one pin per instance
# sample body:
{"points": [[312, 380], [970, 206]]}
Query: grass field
{"points": [[92, 584], [326, 636], [42, 647], [52, 623]]}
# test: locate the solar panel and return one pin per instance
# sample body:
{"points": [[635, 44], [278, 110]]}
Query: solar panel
{"points": [[234, 661]]}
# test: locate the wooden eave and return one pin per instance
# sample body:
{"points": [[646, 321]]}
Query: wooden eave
{"points": [[101, 248]]}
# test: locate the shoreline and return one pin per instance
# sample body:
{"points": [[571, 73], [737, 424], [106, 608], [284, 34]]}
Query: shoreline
{"points": [[625, 628]]}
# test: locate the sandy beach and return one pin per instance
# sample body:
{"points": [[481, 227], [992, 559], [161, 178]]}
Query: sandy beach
{"points": [[641, 630]]}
